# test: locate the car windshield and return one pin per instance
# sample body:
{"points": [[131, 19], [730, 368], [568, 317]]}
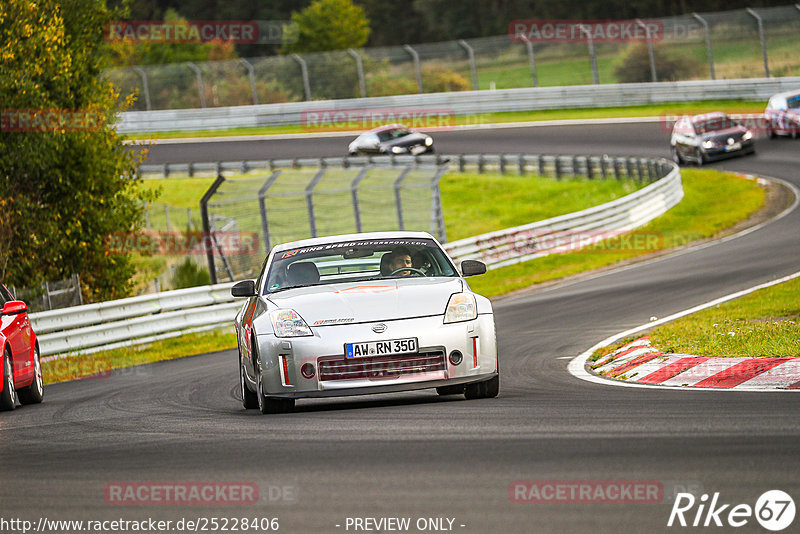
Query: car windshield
{"points": [[715, 124], [388, 135], [350, 261], [794, 102]]}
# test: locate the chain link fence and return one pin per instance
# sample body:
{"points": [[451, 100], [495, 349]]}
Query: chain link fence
{"points": [[51, 295], [746, 43]]}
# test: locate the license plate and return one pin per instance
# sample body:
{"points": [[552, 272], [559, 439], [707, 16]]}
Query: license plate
{"points": [[735, 146], [381, 348]]}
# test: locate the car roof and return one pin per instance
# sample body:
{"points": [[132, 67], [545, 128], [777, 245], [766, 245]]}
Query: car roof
{"points": [[352, 237], [387, 127], [710, 115], [787, 94]]}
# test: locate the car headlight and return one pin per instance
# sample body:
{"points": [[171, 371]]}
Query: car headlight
{"points": [[460, 307], [747, 135], [708, 144], [398, 149], [428, 141], [288, 323]]}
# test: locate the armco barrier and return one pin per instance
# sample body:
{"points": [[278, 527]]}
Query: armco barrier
{"points": [[126, 321], [459, 103]]}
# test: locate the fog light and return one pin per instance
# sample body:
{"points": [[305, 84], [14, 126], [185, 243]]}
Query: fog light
{"points": [[455, 357], [308, 371]]}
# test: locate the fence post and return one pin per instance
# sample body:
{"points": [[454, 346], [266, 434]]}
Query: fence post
{"points": [[252, 75], [262, 208], [592, 54], [354, 193], [437, 216], [145, 87], [166, 216], [707, 31], [312, 221], [650, 52], [212, 270], [362, 85], [762, 38], [471, 55], [532, 62], [76, 279], [304, 73], [417, 68], [397, 199], [200, 87]]}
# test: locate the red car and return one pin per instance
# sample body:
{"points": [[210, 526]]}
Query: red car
{"points": [[22, 370]]}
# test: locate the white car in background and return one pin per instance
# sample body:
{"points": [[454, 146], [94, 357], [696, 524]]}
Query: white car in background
{"points": [[363, 313], [783, 114]]}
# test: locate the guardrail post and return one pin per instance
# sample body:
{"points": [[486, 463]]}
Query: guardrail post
{"points": [[251, 74], [617, 172], [471, 55], [145, 87], [639, 170], [592, 55], [212, 269], [461, 163], [304, 73], [540, 170], [558, 167], [521, 164], [502, 163], [354, 192], [709, 53], [603, 169], [575, 166], [397, 198], [650, 51], [417, 68], [200, 87], [762, 38], [480, 163], [532, 61], [589, 170], [362, 85], [437, 215], [629, 169], [262, 208], [312, 221]]}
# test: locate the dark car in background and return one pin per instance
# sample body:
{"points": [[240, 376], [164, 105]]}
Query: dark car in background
{"points": [[783, 114], [708, 137], [391, 139], [22, 370]]}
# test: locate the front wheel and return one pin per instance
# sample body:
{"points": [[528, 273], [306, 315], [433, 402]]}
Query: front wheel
{"points": [[34, 393], [676, 157], [8, 397], [698, 154], [487, 389], [249, 399], [271, 404]]}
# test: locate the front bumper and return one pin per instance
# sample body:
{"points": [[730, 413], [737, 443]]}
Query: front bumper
{"points": [[719, 152], [283, 358]]}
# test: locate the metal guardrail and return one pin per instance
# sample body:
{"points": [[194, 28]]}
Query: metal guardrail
{"points": [[458, 103], [123, 322], [574, 230]]}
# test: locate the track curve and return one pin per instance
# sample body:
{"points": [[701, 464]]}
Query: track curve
{"points": [[418, 455]]}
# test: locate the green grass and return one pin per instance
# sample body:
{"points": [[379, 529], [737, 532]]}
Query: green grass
{"points": [[765, 323], [653, 110], [713, 201]]}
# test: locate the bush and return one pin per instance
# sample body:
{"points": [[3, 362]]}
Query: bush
{"points": [[438, 79], [634, 65], [189, 274]]}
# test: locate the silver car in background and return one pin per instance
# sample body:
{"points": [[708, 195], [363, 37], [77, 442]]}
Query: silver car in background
{"points": [[363, 313]]}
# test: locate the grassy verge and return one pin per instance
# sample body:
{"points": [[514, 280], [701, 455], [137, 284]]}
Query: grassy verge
{"points": [[765, 323], [713, 202], [654, 110]]}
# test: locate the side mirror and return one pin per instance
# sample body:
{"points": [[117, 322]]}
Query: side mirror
{"points": [[472, 267], [245, 288], [14, 307]]}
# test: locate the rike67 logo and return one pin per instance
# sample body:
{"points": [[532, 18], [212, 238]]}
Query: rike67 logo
{"points": [[774, 510]]}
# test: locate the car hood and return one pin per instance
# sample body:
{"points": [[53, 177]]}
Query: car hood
{"points": [[375, 300], [721, 136], [414, 138]]}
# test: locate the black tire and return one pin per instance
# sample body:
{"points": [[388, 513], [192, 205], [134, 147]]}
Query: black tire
{"points": [[771, 133], [457, 389], [486, 389], [8, 397], [249, 399], [795, 132], [34, 393], [271, 405], [492, 387]]}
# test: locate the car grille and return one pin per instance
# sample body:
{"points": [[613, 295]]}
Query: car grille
{"points": [[340, 368]]}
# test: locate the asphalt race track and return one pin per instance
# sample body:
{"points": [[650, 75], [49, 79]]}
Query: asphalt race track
{"points": [[417, 455]]}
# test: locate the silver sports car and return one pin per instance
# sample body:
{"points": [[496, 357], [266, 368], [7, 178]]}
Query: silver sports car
{"points": [[363, 313]]}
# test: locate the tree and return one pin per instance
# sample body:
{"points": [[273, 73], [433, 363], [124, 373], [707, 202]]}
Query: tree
{"points": [[67, 183], [327, 25]]}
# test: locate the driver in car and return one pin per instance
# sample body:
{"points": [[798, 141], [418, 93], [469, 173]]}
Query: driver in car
{"points": [[401, 257]]}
